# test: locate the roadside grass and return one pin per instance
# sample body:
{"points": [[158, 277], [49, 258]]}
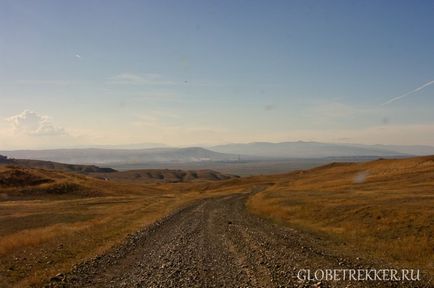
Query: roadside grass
{"points": [[42, 234], [381, 210], [34, 255]]}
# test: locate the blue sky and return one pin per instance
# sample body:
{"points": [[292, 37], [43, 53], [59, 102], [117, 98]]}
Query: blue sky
{"points": [[208, 72]]}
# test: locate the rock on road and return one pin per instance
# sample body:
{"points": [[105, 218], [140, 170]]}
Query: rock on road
{"points": [[212, 243]]}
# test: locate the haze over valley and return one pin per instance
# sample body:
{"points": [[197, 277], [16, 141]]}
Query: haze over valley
{"points": [[241, 159]]}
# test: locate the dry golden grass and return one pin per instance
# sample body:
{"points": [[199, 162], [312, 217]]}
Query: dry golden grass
{"points": [[382, 209], [164, 175], [42, 234]]}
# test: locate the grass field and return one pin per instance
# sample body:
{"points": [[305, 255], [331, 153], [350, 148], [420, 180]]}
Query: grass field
{"points": [[50, 220], [46, 228], [382, 209]]}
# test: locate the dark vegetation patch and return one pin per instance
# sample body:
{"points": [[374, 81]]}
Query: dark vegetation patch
{"points": [[17, 177]]}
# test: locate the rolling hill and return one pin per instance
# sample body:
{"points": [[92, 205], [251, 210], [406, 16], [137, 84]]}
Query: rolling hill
{"points": [[24, 183], [33, 178], [54, 165], [379, 208], [165, 175]]}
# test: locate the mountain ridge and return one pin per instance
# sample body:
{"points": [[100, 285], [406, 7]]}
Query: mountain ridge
{"points": [[254, 151], [303, 149]]}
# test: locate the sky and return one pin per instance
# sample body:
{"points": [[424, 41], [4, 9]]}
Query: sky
{"points": [[188, 73]]}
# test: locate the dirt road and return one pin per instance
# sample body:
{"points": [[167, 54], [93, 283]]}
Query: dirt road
{"points": [[213, 243]]}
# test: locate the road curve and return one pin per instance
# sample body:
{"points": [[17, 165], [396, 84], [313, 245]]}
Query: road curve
{"points": [[212, 243]]}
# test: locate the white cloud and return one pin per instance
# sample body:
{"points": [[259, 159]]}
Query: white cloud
{"points": [[32, 123], [78, 56], [139, 79]]}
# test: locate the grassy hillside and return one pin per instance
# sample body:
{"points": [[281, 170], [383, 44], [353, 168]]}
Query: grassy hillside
{"points": [[54, 165], [28, 183], [383, 209], [51, 220], [165, 175]]}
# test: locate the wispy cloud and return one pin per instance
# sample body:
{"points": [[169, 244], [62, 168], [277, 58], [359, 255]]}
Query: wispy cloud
{"points": [[140, 79], [418, 89]]}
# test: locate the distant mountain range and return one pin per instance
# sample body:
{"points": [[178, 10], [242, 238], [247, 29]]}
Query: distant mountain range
{"points": [[116, 156], [416, 150], [301, 149], [256, 151]]}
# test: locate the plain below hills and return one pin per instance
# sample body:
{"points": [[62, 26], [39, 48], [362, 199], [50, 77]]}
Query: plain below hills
{"points": [[118, 156]]}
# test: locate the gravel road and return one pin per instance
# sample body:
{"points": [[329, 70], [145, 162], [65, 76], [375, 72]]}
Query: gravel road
{"points": [[213, 243]]}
